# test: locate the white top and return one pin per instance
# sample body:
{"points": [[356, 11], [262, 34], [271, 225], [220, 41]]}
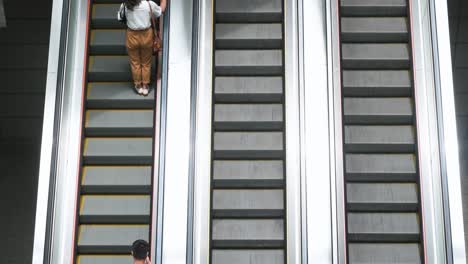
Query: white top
{"points": [[139, 18]]}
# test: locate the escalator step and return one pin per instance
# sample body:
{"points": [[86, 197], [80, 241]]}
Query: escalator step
{"points": [[385, 164], [374, 29], [104, 16], [107, 42], [384, 253], [247, 170], [111, 209], [116, 180], [119, 122], [383, 139], [383, 227], [372, 56], [248, 199], [248, 256], [258, 11], [248, 36], [249, 89], [122, 151], [377, 83], [113, 95], [383, 197], [394, 111], [373, 8], [110, 69], [248, 62], [109, 239], [248, 145], [246, 229], [248, 117]]}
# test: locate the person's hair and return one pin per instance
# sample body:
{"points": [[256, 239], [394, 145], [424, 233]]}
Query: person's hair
{"points": [[130, 4], [140, 249]]}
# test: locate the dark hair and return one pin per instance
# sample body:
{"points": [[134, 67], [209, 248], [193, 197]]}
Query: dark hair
{"points": [[140, 249], [130, 4]]}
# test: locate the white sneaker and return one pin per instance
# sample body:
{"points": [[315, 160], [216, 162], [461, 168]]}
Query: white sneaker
{"points": [[141, 91], [145, 90]]}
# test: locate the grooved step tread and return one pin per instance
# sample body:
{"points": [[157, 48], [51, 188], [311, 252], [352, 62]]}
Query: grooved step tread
{"points": [[109, 239], [248, 36], [265, 11], [373, 8], [119, 122], [117, 95]]}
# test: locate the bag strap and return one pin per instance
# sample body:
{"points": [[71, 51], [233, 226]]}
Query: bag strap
{"points": [[153, 20]]}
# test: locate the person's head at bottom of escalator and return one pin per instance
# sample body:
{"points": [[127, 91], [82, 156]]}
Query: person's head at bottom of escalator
{"points": [[140, 251]]}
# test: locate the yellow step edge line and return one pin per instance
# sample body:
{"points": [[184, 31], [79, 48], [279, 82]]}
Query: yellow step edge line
{"points": [[91, 62], [92, 36], [87, 118], [83, 175]]}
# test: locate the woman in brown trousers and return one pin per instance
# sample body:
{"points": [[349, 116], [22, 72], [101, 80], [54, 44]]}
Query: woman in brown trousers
{"points": [[139, 41]]}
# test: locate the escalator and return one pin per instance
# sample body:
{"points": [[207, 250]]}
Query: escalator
{"points": [[380, 144], [114, 205], [248, 155]]}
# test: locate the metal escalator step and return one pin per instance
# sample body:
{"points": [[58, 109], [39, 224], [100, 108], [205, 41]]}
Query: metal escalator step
{"points": [[377, 83], [248, 145], [248, 36], [104, 259], [374, 29], [248, 256], [247, 213], [383, 139], [111, 209], [247, 199], [372, 56], [373, 8], [247, 170], [248, 117], [107, 42], [385, 253], [394, 111], [116, 180], [113, 95], [109, 239], [382, 197], [386, 164], [267, 11], [104, 16], [248, 89], [248, 184], [248, 229], [119, 123], [111, 69], [383, 227], [118, 151], [248, 62]]}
